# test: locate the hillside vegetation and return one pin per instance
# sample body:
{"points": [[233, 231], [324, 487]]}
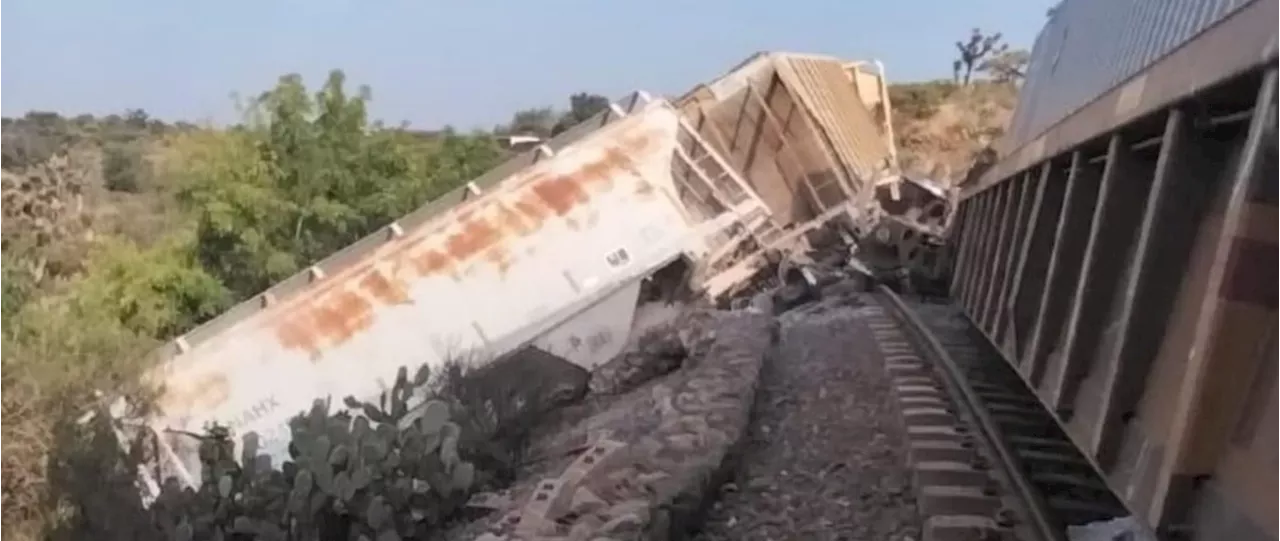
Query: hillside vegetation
{"points": [[941, 127]]}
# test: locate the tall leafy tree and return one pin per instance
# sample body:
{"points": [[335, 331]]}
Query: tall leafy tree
{"points": [[308, 175], [540, 122], [582, 105]]}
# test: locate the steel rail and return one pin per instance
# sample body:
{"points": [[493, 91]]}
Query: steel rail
{"points": [[1037, 511]]}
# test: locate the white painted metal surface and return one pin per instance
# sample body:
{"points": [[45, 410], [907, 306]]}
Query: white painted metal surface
{"points": [[552, 256]]}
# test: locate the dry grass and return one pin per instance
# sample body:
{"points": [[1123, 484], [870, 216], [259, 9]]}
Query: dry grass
{"points": [[26, 489], [941, 127]]}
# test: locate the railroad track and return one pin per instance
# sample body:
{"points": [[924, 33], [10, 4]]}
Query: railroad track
{"points": [[988, 461]]}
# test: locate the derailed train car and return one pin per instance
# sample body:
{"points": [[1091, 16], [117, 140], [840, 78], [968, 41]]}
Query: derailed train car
{"points": [[797, 127], [548, 250], [554, 249], [1123, 253], [813, 137]]}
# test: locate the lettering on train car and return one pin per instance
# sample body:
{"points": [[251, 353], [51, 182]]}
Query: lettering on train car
{"points": [[259, 410], [599, 339], [594, 341], [618, 258]]}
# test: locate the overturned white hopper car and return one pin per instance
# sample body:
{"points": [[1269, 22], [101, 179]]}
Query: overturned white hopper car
{"points": [[548, 249]]}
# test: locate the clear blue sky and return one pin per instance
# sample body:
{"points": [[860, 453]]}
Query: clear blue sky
{"points": [[465, 63]]}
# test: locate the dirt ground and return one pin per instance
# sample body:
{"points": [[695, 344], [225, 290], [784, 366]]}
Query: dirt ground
{"points": [[826, 459], [940, 128]]}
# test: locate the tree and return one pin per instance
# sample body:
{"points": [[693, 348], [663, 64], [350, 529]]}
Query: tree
{"points": [[1008, 66], [44, 119], [973, 52], [582, 106], [308, 175], [157, 292], [123, 168], [23, 148], [138, 119], [540, 122]]}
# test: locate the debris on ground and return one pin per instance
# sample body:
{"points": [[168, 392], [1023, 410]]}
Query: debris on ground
{"points": [[672, 439], [642, 461]]}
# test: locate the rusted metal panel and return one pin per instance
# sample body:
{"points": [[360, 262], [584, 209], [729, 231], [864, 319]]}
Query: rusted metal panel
{"points": [[513, 262]]}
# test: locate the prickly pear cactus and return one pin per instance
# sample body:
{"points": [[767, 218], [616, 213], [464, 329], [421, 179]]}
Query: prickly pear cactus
{"points": [[390, 471], [46, 199]]}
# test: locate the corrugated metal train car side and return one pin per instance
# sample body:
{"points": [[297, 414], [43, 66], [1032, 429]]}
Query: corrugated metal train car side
{"points": [[1123, 254]]}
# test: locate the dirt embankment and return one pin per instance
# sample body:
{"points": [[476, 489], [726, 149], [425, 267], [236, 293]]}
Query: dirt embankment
{"points": [[941, 127]]}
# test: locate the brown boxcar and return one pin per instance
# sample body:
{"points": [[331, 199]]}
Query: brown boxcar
{"points": [[1123, 254]]}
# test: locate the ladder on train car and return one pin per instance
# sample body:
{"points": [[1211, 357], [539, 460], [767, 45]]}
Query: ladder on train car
{"points": [[753, 214]]}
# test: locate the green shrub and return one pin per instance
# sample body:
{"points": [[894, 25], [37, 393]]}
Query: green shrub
{"points": [[919, 100], [123, 168], [306, 177]]}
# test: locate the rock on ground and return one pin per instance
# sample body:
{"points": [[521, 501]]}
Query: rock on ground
{"points": [[825, 460], [642, 464]]}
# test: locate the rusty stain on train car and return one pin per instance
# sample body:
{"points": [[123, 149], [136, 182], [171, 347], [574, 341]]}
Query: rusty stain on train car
{"points": [[344, 306]]}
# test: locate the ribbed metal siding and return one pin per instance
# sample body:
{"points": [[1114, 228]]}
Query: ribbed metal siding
{"points": [[1091, 46], [825, 90]]}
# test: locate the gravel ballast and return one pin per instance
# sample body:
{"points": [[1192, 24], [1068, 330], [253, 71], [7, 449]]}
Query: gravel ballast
{"points": [[825, 459]]}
